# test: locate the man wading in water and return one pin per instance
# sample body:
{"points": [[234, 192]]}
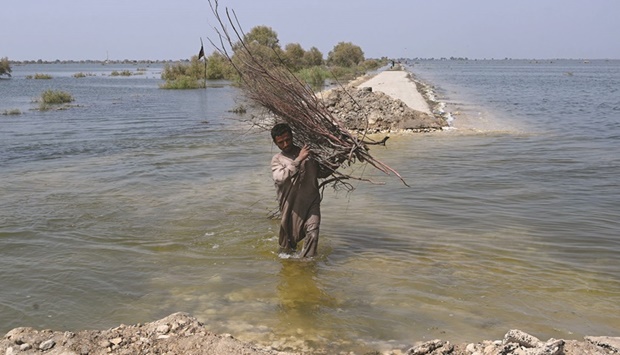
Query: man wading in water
{"points": [[296, 175]]}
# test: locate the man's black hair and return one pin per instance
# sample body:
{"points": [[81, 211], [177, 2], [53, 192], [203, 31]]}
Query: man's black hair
{"points": [[280, 129]]}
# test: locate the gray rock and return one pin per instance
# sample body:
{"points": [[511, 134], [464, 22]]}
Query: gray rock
{"points": [[609, 343], [163, 329], [433, 347], [552, 347], [521, 338], [46, 345]]}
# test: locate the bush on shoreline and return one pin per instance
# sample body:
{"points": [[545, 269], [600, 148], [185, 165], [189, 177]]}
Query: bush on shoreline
{"points": [[345, 62], [183, 82], [314, 76]]}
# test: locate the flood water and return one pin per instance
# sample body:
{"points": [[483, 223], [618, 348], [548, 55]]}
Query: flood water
{"points": [[139, 202]]}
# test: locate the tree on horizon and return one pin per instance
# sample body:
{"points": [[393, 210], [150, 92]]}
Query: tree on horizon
{"points": [[5, 66]]}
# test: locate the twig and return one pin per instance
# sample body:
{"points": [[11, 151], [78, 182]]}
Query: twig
{"points": [[271, 84]]}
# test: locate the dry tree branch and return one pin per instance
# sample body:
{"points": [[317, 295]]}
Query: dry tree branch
{"points": [[272, 85]]}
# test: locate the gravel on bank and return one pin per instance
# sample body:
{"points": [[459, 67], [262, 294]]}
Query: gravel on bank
{"points": [[180, 333]]}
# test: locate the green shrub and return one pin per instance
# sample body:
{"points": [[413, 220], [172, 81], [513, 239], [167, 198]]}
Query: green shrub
{"points": [[182, 83], [314, 76], [79, 75], [53, 97], [5, 67], [345, 74], [39, 76], [217, 67], [372, 64], [122, 73], [172, 72], [345, 54], [195, 69], [14, 111]]}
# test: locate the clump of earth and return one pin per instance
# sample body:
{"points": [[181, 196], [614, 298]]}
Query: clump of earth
{"points": [[179, 333], [361, 109]]}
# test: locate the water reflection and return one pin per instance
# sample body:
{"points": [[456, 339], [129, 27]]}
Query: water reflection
{"points": [[299, 294], [302, 300]]}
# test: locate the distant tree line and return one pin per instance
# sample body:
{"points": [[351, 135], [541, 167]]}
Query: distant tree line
{"points": [[344, 62]]}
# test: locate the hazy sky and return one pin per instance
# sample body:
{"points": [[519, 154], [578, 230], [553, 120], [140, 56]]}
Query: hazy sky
{"points": [[171, 29]]}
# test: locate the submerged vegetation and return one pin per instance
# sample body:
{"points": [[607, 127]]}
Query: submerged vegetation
{"points": [[82, 75], [183, 82], [12, 112], [51, 98], [56, 97], [193, 75], [121, 73], [239, 109], [39, 76]]}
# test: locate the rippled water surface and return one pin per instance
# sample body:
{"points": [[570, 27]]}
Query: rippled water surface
{"points": [[139, 202]]}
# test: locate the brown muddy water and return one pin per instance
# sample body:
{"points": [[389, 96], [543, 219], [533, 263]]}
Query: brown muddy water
{"points": [[141, 202]]}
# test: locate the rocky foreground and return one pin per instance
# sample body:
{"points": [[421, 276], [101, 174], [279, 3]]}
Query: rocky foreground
{"points": [[181, 333]]}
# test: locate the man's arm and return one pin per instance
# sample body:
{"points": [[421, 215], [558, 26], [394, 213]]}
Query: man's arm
{"points": [[282, 170]]}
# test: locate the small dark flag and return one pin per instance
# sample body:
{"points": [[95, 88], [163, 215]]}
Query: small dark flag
{"points": [[202, 52]]}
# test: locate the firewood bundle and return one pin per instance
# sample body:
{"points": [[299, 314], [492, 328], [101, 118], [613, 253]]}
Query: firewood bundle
{"points": [[273, 86]]}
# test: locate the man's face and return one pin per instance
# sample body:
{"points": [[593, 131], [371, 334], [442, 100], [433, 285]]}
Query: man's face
{"points": [[284, 142]]}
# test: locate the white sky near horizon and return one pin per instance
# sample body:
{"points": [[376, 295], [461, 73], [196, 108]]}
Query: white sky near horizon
{"points": [[167, 29]]}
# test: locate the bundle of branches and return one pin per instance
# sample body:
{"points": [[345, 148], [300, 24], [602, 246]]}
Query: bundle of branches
{"points": [[273, 86]]}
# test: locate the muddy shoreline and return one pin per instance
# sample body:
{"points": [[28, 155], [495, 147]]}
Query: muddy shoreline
{"points": [[180, 333]]}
